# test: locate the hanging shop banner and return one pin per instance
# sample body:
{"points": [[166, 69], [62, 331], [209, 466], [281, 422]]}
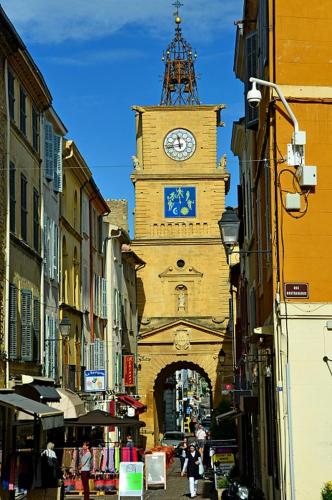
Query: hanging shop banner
{"points": [[94, 380], [155, 469], [129, 370], [131, 479]]}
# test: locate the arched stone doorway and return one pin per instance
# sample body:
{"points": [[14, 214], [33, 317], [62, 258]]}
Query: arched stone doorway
{"points": [[166, 373], [179, 345]]}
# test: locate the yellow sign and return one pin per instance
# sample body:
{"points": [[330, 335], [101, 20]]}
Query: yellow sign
{"points": [[224, 458]]}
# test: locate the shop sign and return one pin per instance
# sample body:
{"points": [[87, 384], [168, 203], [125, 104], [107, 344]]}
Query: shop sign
{"points": [[296, 290], [94, 380], [131, 479], [129, 370]]}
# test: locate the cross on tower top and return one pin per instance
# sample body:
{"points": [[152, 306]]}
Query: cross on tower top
{"points": [[177, 4]]}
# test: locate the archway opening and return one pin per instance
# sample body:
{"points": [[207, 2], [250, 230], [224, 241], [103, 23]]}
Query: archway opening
{"points": [[182, 394]]}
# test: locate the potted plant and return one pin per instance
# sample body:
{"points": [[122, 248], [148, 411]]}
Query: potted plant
{"points": [[222, 483], [327, 491]]}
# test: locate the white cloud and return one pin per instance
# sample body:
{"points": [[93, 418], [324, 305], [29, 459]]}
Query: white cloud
{"points": [[88, 58], [55, 21]]}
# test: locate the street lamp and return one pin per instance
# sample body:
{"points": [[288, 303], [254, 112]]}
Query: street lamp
{"points": [[221, 356], [64, 327], [229, 226]]}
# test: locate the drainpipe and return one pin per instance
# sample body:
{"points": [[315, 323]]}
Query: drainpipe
{"points": [[6, 325]]}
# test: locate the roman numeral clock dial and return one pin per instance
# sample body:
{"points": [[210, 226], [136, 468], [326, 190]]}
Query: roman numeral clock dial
{"points": [[179, 144]]}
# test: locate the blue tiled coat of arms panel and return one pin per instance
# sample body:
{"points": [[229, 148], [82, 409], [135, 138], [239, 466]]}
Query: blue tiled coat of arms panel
{"points": [[180, 201]]}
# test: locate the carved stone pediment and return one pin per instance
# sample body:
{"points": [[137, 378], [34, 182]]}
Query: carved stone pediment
{"points": [[174, 272]]}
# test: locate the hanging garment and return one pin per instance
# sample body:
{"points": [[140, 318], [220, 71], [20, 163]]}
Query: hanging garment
{"points": [[104, 459], [111, 465], [117, 459]]}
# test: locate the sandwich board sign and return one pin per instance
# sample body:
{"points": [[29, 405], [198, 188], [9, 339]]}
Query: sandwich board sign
{"points": [[131, 479], [155, 469]]}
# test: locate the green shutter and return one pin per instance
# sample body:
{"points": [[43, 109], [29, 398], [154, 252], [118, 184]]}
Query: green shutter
{"points": [[26, 326], [12, 321], [49, 151], [104, 298]]}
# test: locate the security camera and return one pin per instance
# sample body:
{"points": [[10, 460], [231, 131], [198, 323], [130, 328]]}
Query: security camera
{"points": [[254, 96]]}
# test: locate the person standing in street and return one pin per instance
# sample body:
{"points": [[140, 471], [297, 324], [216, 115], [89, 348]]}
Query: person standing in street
{"points": [[85, 467], [182, 452], [201, 437], [130, 443], [191, 466]]}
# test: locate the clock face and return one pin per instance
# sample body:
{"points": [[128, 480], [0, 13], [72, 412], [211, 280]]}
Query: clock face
{"points": [[179, 144]]}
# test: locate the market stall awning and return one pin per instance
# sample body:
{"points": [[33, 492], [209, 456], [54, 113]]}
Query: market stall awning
{"points": [[50, 417], [70, 403], [45, 393], [229, 415], [134, 403], [103, 418]]}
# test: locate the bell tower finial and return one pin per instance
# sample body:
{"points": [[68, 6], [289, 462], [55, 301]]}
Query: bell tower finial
{"points": [[179, 86]]}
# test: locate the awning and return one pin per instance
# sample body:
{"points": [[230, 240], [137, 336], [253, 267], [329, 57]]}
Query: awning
{"points": [[229, 415], [103, 418], [134, 403], [39, 392], [50, 417], [70, 403]]}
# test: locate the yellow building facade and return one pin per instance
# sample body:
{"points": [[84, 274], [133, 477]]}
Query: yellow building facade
{"points": [[288, 43], [183, 290]]}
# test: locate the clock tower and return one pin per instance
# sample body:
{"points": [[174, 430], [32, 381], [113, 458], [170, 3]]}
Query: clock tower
{"points": [[183, 290]]}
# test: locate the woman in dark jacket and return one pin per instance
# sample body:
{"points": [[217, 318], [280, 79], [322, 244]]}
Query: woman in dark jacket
{"points": [[191, 465]]}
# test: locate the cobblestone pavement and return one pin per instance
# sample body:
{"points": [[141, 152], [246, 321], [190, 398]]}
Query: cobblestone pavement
{"points": [[178, 487]]}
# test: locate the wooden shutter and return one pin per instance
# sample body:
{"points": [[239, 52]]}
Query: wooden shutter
{"points": [[263, 36], [47, 346], [53, 349], [12, 322], [57, 151], [36, 329], [49, 151], [26, 326], [46, 245]]}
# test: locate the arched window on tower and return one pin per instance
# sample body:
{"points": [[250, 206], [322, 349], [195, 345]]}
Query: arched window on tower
{"points": [[181, 294]]}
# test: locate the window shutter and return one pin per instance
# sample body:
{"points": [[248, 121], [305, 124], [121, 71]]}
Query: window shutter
{"points": [[96, 355], [36, 329], [91, 357], [47, 346], [12, 322], [251, 62], [26, 325], [101, 355], [85, 214], [49, 151], [104, 298], [46, 246], [53, 349], [55, 232], [57, 145]]}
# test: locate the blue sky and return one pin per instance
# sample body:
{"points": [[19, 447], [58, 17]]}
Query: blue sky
{"points": [[99, 58]]}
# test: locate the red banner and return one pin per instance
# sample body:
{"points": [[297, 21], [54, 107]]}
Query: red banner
{"points": [[129, 370]]}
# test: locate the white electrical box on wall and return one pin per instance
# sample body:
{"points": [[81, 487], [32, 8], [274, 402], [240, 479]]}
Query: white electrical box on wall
{"points": [[307, 176], [293, 202]]}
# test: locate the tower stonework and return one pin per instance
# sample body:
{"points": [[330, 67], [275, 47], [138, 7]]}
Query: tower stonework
{"points": [[183, 290]]}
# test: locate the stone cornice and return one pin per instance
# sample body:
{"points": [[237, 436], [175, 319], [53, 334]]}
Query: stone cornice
{"points": [[183, 176], [175, 242]]}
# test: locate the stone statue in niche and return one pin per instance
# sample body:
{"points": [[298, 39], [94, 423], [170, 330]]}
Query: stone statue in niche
{"points": [[136, 163], [181, 298]]}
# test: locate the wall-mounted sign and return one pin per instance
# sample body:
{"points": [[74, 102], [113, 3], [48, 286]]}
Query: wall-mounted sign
{"points": [[180, 201], [296, 290], [129, 370], [94, 380]]}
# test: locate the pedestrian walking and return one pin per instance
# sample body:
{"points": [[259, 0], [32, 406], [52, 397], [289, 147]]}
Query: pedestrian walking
{"points": [[85, 467], [192, 426], [191, 466], [182, 451]]}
